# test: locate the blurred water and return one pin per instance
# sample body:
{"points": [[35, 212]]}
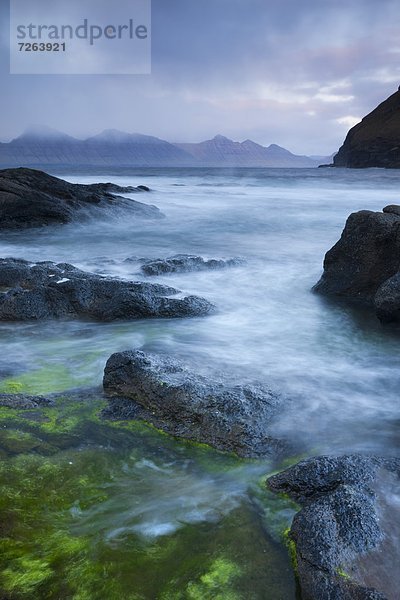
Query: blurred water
{"points": [[338, 365]]}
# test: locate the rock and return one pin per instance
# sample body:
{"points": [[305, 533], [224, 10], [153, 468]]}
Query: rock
{"points": [[363, 264], [387, 300], [231, 418], [375, 141], [181, 263], [24, 401], [31, 198], [46, 290], [393, 209], [340, 530]]}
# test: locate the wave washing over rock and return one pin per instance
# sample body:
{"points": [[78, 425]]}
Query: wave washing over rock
{"points": [[30, 198]]}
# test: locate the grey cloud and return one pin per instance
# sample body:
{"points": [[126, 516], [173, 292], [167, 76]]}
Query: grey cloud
{"points": [[271, 70]]}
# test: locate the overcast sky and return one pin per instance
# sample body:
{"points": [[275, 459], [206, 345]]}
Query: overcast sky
{"points": [[297, 73]]}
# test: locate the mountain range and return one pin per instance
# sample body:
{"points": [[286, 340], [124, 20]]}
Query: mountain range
{"points": [[46, 147]]}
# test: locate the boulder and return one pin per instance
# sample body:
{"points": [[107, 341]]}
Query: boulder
{"points": [[31, 198], [46, 290], [164, 392], [182, 263], [341, 529], [362, 266]]}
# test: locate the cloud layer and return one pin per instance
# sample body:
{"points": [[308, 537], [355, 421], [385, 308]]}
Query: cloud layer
{"points": [[294, 73]]}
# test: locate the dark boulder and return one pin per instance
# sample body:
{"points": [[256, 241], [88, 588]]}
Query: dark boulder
{"points": [[46, 290], [182, 263], [363, 264], [31, 198], [340, 530], [162, 391]]}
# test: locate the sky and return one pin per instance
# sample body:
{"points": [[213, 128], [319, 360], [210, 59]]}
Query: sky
{"points": [[294, 73]]}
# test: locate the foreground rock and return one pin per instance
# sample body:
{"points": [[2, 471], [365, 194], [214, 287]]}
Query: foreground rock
{"points": [[375, 141], [182, 263], [236, 419], [30, 198], [342, 535], [46, 290], [363, 265]]}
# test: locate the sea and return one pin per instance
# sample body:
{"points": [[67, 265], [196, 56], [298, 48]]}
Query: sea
{"points": [[165, 519]]}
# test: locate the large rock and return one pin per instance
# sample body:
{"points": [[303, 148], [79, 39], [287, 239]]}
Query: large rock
{"points": [[341, 536], [375, 141], [30, 198], [182, 263], [363, 265], [46, 290], [231, 418]]}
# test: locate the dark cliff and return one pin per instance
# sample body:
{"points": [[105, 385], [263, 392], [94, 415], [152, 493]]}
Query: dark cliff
{"points": [[375, 141]]}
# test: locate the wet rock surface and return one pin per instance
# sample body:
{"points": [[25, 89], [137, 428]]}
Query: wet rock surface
{"points": [[340, 525], [31, 198], [24, 401], [183, 263], [363, 265], [231, 418], [46, 290]]}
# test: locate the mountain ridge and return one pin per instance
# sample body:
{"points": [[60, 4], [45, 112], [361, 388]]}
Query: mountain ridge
{"points": [[41, 146]]}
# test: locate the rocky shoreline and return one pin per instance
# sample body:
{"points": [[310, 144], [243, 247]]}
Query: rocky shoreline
{"points": [[342, 525]]}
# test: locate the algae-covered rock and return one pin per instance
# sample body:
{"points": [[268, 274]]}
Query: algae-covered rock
{"points": [[340, 526], [232, 418]]}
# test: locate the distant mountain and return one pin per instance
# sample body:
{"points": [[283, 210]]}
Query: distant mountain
{"points": [[375, 141], [48, 147], [42, 146], [221, 151]]}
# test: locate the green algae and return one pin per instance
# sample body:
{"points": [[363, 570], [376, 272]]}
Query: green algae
{"points": [[48, 379], [217, 583], [343, 574], [291, 546], [45, 553], [57, 507], [17, 441]]}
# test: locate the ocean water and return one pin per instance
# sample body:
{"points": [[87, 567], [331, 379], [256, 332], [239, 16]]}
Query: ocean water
{"points": [[335, 366]]}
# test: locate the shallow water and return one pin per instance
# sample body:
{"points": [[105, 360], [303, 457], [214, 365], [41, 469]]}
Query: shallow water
{"points": [[337, 366]]}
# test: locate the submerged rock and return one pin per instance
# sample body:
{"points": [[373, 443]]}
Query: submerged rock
{"points": [[24, 401], [232, 418], [363, 265], [182, 263], [46, 290], [31, 198], [340, 531]]}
